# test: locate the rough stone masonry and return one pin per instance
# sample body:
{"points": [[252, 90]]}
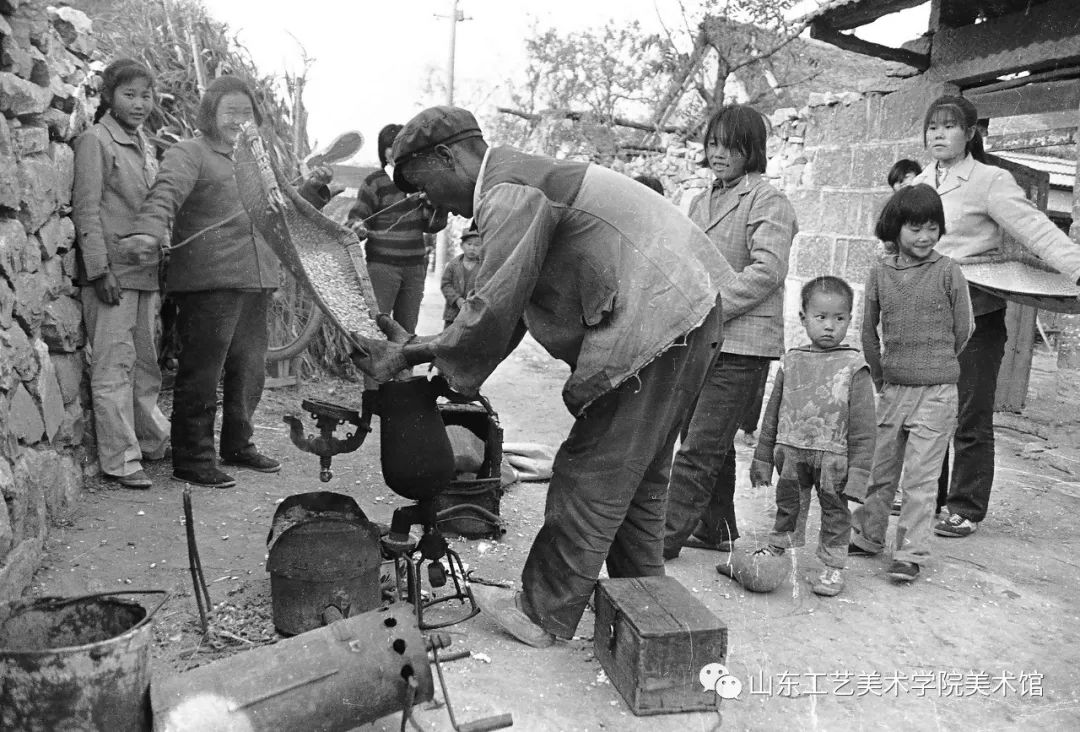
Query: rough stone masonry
{"points": [[44, 60]]}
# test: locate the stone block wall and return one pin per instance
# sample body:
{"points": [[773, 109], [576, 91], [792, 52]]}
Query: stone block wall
{"points": [[851, 141], [44, 57]]}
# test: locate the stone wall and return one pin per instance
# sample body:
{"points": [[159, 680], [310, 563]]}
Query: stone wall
{"points": [[44, 56], [851, 141]]}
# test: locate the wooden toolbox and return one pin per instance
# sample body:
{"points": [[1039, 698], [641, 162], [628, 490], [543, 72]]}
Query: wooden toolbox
{"points": [[652, 638]]}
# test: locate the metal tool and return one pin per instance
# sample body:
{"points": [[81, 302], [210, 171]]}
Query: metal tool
{"points": [[202, 592]]}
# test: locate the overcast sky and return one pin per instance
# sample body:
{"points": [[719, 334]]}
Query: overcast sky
{"points": [[370, 61]]}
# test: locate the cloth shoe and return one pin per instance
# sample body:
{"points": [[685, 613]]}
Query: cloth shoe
{"points": [[955, 526], [206, 477], [696, 542], [253, 460], [138, 480], [506, 611], [829, 583], [166, 454], [903, 571], [854, 550]]}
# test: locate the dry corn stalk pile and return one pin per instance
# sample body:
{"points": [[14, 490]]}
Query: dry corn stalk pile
{"points": [[323, 256]]}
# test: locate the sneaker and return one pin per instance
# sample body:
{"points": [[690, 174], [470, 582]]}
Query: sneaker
{"points": [[253, 460], [955, 526], [138, 480], [903, 571], [854, 550], [206, 477], [829, 583], [505, 610]]}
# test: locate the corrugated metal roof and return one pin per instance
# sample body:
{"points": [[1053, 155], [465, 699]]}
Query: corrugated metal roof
{"points": [[1062, 170]]}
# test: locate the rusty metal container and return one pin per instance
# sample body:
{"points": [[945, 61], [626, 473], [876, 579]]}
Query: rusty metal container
{"points": [[323, 554], [339, 677], [80, 663]]}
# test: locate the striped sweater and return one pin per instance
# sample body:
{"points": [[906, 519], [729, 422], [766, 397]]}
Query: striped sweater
{"points": [[395, 236]]}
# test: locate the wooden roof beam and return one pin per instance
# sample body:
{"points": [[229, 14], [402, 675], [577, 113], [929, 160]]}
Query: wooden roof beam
{"points": [[821, 31], [1046, 36], [1034, 98], [853, 15]]}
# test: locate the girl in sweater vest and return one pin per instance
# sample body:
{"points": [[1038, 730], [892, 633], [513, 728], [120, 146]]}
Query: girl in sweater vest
{"points": [[920, 300]]}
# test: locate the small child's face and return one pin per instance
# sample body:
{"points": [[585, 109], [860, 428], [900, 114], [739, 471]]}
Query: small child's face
{"points": [[917, 241], [905, 182], [826, 319], [471, 247]]}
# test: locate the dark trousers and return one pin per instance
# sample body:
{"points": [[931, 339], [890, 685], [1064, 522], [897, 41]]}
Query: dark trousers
{"points": [[801, 472], [968, 493], [399, 291], [703, 473], [753, 412], [605, 502], [221, 332]]}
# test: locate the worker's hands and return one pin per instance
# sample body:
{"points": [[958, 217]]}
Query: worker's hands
{"points": [[138, 249], [107, 288], [760, 474], [321, 175], [382, 361], [359, 228]]}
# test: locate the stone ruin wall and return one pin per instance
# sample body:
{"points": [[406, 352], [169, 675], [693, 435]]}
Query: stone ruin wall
{"points": [[44, 57]]}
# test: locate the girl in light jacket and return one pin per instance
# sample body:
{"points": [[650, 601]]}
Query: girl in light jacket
{"points": [[114, 167], [982, 203]]}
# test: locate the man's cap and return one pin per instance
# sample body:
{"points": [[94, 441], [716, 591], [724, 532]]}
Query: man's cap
{"points": [[442, 125]]}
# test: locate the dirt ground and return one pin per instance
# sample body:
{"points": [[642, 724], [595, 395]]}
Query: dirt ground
{"points": [[986, 639]]}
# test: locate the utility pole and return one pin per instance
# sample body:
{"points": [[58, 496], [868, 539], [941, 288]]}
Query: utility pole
{"points": [[456, 16], [442, 242]]}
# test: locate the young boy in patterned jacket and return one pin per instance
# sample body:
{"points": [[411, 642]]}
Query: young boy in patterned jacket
{"points": [[818, 430]]}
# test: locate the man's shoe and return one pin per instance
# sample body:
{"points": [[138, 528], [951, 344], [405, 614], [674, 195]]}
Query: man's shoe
{"points": [[206, 477], [829, 583], [252, 461], [138, 480], [955, 526], [770, 551], [854, 550], [696, 542], [166, 454], [903, 571], [506, 611]]}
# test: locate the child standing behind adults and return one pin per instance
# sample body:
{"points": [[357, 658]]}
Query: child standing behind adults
{"points": [[920, 299], [818, 431], [395, 231], [752, 225], [221, 279], [459, 275], [114, 168]]}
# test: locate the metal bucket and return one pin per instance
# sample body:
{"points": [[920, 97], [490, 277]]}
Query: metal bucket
{"points": [[322, 553], [80, 663]]}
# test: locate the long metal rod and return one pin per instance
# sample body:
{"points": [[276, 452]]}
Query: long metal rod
{"points": [[198, 580]]}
